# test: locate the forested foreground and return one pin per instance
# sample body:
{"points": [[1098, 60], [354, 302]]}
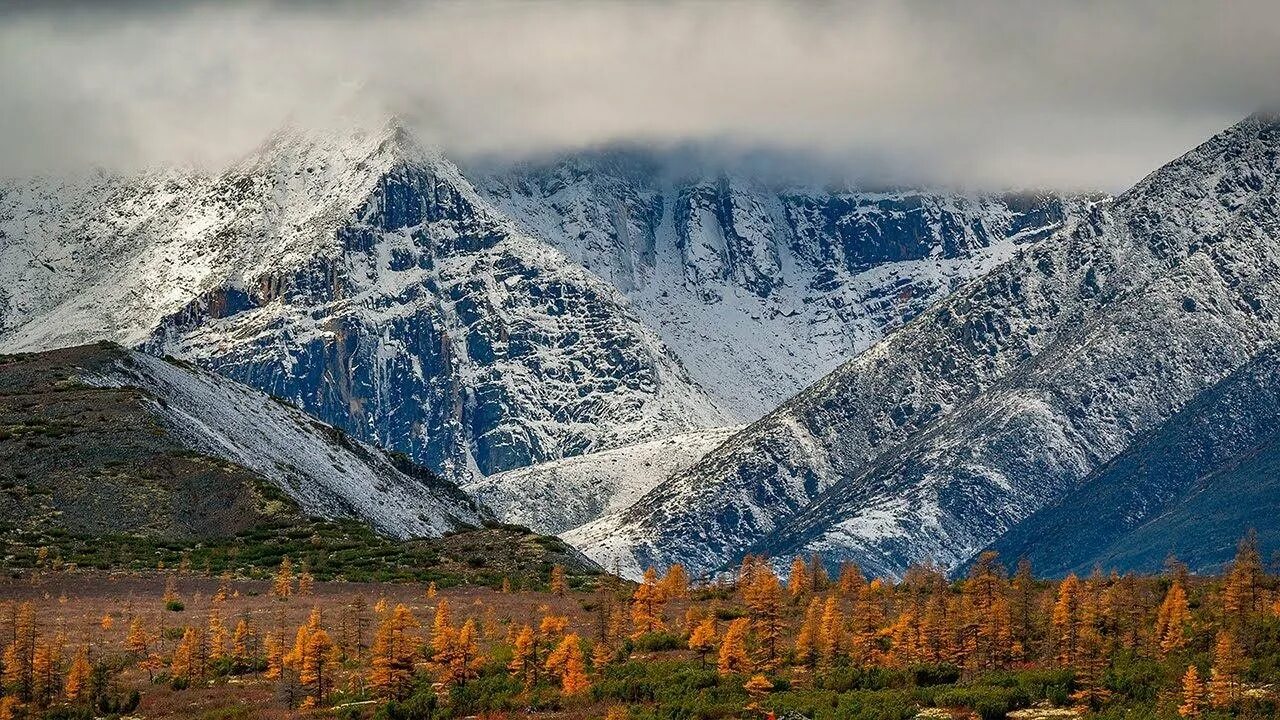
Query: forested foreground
{"points": [[179, 644]]}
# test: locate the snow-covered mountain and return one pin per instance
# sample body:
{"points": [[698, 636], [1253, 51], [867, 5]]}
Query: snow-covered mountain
{"points": [[163, 448], [361, 278], [559, 495], [594, 301], [1191, 487], [762, 286], [998, 400]]}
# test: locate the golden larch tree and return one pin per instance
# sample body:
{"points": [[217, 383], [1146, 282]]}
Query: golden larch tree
{"points": [[1192, 694], [524, 657], [675, 584], [315, 671], [393, 653], [1224, 675], [567, 661], [558, 584], [1173, 621], [733, 657], [799, 583], [282, 585], [763, 598], [1067, 619], [702, 639], [647, 603], [78, 675]]}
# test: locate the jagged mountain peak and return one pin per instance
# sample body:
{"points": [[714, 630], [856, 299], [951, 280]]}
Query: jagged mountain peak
{"points": [[999, 398]]}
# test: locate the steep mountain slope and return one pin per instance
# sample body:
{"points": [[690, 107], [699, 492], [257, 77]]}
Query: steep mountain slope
{"points": [[997, 401], [363, 279], [1192, 487], [556, 496], [102, 440], [760, 286]]}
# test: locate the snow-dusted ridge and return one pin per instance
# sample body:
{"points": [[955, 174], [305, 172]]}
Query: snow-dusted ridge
{"points": [[327, 473], [557, 496], [993, 403], [361, 277]]}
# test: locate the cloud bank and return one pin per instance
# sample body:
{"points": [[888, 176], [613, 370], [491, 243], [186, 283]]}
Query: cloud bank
{"points": [[1068, 94]]}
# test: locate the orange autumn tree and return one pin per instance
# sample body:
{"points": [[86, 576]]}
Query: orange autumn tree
{"points": [[316, 666], [675, 584], [1067, 619], [282, 585], [733, 657], [1192, 694], [1224, 675], [809, 638], [702, 639], [798, 581], [987, 633], [524, 657], [1173, 620], [558, 584], [1244, 594], [763, 598], [393, 653], [567, 661], [646, 606], [78, 675]]}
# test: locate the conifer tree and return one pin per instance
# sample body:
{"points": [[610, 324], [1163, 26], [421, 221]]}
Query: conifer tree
{"points": [[566, 660], [764, 605], [317, 664], [1067, 619], [1244, 594], [524, 657], [306, 582], [758, 687], [1173, 620], [136, 639], [646, 606], [987, 636], [675, 584], [78, 675], [818, 575], [702, 639], [391, 668], [809, 638], [831, 633], [1192, 694], [241, 637], [864, 624], [1224, 675], [733, 656], [602, 656], [558, 584], [273, 645], [282, 586], [851, 581], [798, 582], [19, 656], [1022, 607]]}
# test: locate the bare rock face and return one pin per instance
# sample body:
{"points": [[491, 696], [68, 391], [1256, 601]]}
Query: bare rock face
{"points": [[362, 279], [1001, 398]]}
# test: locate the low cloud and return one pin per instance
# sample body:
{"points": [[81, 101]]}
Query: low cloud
{"points": [[1079, 94]]}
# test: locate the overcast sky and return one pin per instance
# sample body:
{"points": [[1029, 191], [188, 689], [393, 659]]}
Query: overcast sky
{"points": [[1062, 94]]}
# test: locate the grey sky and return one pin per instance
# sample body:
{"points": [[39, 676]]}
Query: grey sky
{"points": [[1083, 94]]}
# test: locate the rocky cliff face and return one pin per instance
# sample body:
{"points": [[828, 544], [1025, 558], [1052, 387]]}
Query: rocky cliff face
{"points": [[362, 279], [761, 287], [998, 400], [1192, 487]]}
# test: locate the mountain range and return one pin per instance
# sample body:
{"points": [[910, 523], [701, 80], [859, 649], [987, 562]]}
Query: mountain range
{"points": [[673, 363]]}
